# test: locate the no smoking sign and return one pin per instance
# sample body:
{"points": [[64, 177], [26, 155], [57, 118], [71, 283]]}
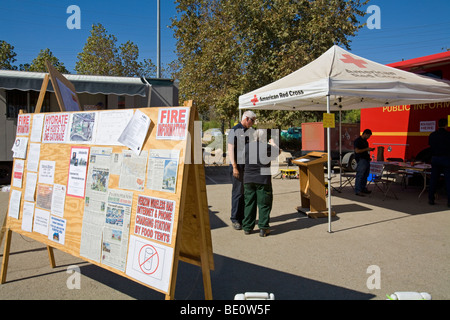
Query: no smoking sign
{"points": [[148, 259], [150, 262]]}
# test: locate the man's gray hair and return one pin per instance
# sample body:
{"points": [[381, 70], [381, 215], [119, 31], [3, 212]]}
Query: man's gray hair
{"points": [[249, 114]]}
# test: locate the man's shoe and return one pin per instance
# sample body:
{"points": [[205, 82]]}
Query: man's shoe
{"points": [[237, 226], [431, 202], [359, 194], [366, 191], [264, 232], [247, 232]]}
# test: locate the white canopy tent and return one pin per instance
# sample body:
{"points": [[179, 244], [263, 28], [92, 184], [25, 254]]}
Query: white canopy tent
{"points": [[339, 80]]}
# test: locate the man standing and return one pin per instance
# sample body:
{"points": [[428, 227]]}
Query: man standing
{"points": [[236, 145], [258, 192], [362, 157], [439, 142]]}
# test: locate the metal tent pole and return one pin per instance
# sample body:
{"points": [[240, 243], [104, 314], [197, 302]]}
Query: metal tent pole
{"points": [[329, 167], [158, 39]]}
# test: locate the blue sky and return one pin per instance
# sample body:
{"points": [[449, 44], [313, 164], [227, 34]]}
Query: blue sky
{"points": [[409, 28]]}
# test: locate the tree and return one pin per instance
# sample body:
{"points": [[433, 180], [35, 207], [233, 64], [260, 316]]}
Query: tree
{"points": [[7, 56], [129, 53], [38, 63], [100, 55], [227, 48], [148, 68]]}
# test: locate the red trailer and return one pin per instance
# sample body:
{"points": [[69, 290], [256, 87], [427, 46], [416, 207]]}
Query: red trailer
{"points": [[403, 130], [314, 138]]}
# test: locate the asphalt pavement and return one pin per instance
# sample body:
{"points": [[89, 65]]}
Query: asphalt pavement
{"points": [[377, 247]]}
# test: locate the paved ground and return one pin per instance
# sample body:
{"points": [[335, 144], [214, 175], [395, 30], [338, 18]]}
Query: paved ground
{"points": [[406, 242]]}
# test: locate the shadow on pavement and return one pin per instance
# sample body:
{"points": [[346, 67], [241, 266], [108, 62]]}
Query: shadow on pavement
{"points": [[230, 277]]}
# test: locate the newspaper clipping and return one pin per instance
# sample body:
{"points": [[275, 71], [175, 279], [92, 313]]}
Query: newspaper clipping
{"points": [[162, 170]]}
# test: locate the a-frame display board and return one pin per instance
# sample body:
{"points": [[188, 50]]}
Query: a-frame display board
{"points": [[135, 213], [64, 90]]}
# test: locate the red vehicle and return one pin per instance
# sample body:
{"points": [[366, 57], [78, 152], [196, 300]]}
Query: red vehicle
{"points": [[403, 130], [314, 138]]}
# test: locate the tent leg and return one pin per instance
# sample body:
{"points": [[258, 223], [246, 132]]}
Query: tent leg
{"points": [[340, 147], [329, 168]]}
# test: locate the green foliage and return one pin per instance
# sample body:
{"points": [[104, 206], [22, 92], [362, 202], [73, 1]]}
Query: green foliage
{"points": [[351, 116], [227, 48], [7, 56], [38, 63], [102, 56], [211, 124]]}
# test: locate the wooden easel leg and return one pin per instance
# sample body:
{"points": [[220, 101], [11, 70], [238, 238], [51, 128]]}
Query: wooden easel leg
{"points": [[207, 287], [51, 256], [173, 281], [42, 94], [3, 229], [5, 261], [203, 247]]}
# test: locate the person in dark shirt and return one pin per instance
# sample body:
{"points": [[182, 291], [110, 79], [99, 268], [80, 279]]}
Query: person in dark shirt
{"points": [[362, 157], [439, 142], [258, 182], [237, 138]]}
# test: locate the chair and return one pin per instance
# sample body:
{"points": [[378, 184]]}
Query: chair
{"points": [[349, 175], [383, 175]]}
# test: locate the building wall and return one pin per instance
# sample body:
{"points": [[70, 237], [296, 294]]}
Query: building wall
{"points": [[7, 130], [163, 93]]}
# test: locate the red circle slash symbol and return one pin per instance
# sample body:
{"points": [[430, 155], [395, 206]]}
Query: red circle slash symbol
{"points": [[148, 259]]}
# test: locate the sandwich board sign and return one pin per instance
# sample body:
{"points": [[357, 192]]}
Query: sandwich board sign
{"points": [[135, 212]]}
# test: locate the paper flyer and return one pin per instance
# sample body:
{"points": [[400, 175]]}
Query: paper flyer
{"points": [[19, 148], [23, 125], [155, 218], [173, 123], [110, 126], [95, 203], [163, 170], [150, 263], [76, 182], [36, 129], [57, 230], [18, 173], [34, 154], [135, 132], [44, 196], [132, 174], [41, 220], [56, 126], [91, 233], [116, 228], [58, 200], [82, 127], [46, 171], [30, 186], [14, 204], [27, 218]]}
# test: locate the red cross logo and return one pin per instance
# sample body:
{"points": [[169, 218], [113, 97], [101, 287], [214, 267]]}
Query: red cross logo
{"points": [[349, 59], [254, 100]]}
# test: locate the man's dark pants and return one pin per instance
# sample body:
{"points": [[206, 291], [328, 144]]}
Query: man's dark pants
{"points": [[439, 165], [362, 173], [237, 195]]}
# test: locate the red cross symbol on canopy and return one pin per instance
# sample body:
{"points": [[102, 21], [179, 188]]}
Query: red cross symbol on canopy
{"points": [[358, 62], [254, 100]]}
